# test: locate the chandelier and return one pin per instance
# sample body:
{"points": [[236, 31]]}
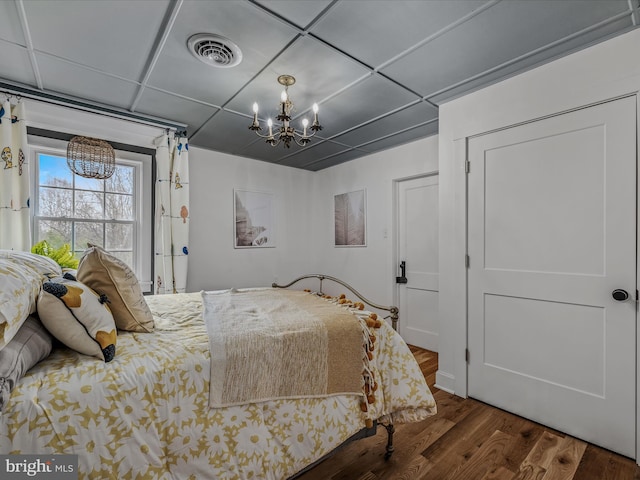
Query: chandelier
{"points": [[91, 158], [286, 133]]}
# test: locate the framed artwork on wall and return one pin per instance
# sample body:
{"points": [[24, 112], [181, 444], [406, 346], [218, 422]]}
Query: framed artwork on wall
{"points": [[254, 221], [350, 214]]}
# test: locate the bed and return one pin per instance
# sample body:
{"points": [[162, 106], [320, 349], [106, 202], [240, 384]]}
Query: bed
{"points": [[147, 413]]}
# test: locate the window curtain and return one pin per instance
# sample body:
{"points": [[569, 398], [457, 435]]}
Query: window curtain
{"points": [[172, 214], [15, 223]]}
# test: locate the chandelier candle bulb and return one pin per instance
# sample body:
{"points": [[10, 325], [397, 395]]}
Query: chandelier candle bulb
{"points": [[270, 123], [255, 115], [305, 122]]}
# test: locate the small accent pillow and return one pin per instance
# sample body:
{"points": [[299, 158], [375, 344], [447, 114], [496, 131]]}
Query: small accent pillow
{"points": [[109, 275], [31, 344], [78, 317]]}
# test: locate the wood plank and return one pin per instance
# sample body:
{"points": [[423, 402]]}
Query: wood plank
{"points": [[486, 457], [452, 407], [464, 438], [544, 451], [530, 472], [457, 446], [408, 449], [525, 439], [566, 461], [418, 467], [367, 476], [409, 441], [600, 464], [498, 473], [357, 458]]}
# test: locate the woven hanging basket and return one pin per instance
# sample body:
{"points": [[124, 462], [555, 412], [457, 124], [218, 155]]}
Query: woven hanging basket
{"points": [[91, 158]]}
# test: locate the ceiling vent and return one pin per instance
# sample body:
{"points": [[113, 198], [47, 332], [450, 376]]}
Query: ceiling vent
{"points": [[215, 50]]}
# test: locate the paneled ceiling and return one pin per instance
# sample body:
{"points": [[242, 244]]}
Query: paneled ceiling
{"points": [[378, 69]]}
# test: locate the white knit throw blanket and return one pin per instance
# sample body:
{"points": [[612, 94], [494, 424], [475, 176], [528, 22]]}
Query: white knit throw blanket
{"points": [[271, 344]]}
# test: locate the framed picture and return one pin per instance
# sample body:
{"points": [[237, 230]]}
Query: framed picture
{"points": [[254, 222], [349, 214]]}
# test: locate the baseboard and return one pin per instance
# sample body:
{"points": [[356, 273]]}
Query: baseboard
{"points": [[445, 381]]}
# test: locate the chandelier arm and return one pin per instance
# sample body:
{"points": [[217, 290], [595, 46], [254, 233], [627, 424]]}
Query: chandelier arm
{"points": [[295, 133], [263, 136], [308, 135], [302, 142]]}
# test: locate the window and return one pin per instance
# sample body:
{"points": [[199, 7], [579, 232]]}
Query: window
{"points": [[114, 213]]}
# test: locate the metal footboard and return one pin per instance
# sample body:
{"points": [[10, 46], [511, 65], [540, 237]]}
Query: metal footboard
{"points": [[393, 311]]}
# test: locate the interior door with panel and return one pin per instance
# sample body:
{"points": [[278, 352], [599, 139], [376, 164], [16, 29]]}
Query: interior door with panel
{"points": [[551, 242], [418, 249]]}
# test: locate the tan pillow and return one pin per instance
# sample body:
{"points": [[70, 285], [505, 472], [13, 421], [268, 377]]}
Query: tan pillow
{"points": [[108, 275]]}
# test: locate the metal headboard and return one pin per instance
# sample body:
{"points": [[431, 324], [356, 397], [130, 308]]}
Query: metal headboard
{"points": [[393, 311]]}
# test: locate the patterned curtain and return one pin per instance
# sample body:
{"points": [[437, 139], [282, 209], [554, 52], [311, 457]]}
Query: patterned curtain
{"points": [[172, 214], [15, 229]]}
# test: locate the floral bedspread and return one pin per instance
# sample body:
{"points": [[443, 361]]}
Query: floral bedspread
{"points": [[145, 415]]}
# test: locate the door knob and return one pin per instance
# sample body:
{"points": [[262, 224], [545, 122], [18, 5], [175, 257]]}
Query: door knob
{"points": [[619, 295]]}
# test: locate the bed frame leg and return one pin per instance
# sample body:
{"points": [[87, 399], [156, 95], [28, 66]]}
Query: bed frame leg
{"points": [[390, 449]]}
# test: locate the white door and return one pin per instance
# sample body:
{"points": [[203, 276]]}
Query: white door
{"points": [[418, 248], [552, 233]]}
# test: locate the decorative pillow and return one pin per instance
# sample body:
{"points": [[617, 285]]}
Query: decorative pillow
{"points": [[30, 345], [109, 275], [21, 276], [78, 317]]}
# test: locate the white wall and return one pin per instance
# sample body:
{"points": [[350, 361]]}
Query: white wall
{"points": [[63, 119], [214, 263], [371, 270], [304, 207], [601, 72]]}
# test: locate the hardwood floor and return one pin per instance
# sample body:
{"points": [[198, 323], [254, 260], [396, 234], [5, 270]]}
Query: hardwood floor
{"points": [[469, 440]]}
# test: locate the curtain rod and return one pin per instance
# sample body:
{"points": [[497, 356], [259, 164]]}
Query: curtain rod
{"points": [[24, 92]]}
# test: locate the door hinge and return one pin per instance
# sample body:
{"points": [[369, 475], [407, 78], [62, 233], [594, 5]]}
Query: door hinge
{"points": [[467, 356], [467, 261], [467, 166]]}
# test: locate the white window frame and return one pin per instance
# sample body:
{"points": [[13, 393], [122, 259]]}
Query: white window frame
{"points": [[143, 178]]}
